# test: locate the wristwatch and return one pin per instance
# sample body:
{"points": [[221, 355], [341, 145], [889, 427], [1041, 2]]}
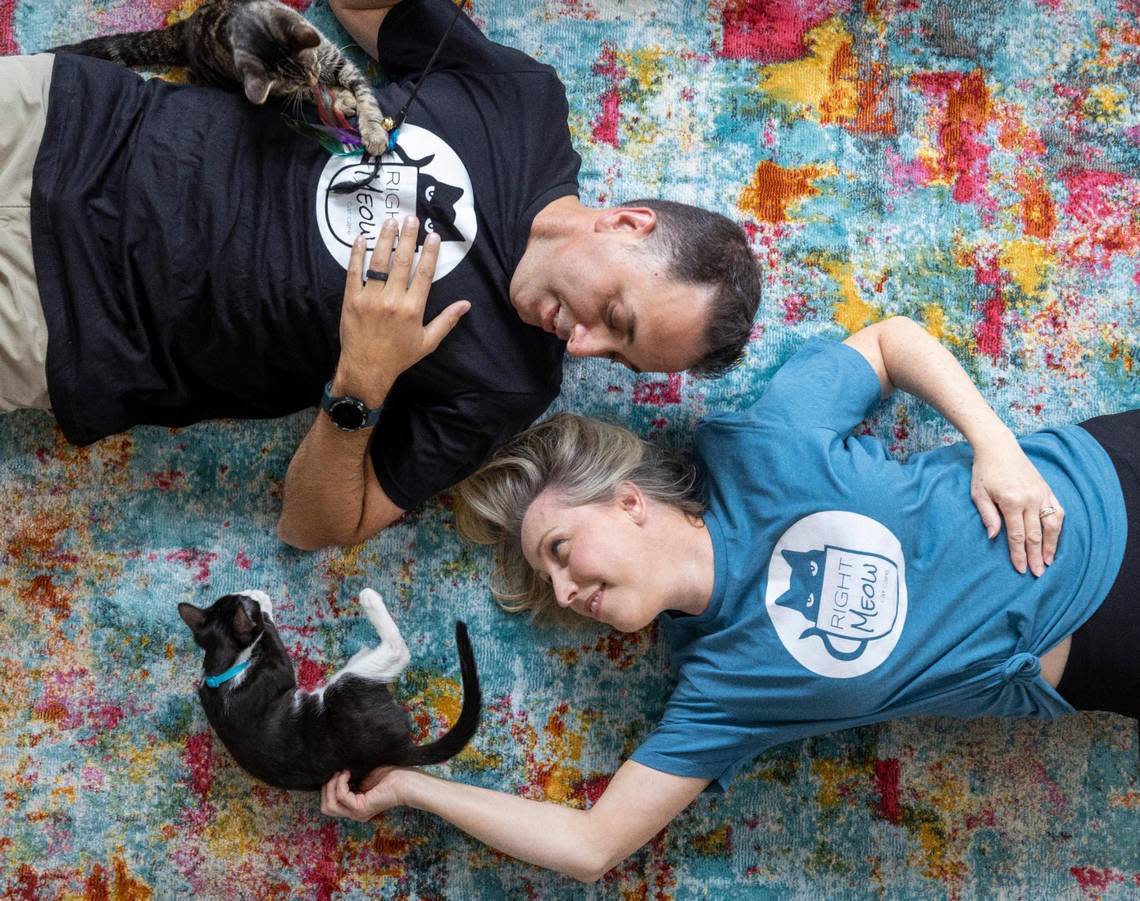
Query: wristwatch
{"points": [[349, 414]]}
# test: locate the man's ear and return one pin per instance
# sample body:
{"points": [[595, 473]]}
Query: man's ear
{"points": [[631, 500], [640, 220]]}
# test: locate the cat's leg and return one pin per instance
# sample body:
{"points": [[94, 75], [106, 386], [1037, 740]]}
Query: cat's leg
{"points": [[341, 73], [386, 662], [263, 601]]}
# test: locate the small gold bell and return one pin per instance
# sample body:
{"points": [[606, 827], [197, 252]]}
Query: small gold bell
{"points": [[388, 123]]}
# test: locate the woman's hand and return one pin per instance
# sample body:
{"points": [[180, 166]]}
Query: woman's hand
{"points": [[1006, 485], [382, 330], [378, 795]]}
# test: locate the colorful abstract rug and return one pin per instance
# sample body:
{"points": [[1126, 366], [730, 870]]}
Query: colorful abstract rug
{"points": [[973, 165]]}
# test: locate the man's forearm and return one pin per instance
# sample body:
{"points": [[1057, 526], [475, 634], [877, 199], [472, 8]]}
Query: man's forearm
{"points": [[918, 364], [331, 495]]}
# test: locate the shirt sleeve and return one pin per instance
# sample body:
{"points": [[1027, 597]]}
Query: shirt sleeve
{"points": [[425, 445], [826, 384], [412, 31], [697, 738]]}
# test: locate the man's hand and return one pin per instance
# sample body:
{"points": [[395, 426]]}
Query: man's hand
{"points": [[382, 330], [1006, 484]]}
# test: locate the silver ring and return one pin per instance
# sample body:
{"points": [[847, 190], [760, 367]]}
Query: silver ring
{"points": [[372, 274], [1046, 511]]}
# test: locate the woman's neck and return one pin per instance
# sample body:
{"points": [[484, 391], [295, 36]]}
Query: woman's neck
{"points": [[694, 561]]}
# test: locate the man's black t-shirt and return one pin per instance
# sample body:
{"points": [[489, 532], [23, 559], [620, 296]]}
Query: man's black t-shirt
{"points": [[191, 256]]}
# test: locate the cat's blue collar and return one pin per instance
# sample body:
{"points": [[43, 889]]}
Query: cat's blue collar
{"points": [[221, 678]]}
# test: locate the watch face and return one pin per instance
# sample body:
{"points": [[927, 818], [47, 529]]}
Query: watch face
{"points": [[348, 414]]}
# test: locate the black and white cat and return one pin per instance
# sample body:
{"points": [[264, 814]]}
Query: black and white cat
{"points": [[262, 46], [296, 739]]}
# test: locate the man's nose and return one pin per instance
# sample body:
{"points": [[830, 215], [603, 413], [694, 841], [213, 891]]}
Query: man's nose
{"points": [[586, 342]]}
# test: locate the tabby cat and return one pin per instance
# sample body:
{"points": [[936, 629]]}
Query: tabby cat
{"points": [[261, 45]]}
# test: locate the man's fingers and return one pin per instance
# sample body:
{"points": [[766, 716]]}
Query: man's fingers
{"points": [[356, 261], [425, 268], [383, 249], [438, 329], [405, 252]]}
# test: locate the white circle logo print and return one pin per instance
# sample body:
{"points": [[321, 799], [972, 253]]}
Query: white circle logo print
{"points": [[421, 177], [837, 593]]}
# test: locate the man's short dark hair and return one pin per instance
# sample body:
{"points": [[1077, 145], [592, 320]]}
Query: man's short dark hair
{"points": [[710, 249]]}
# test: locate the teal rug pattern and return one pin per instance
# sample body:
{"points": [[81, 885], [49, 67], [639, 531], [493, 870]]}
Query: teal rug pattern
{"points": [[975, 166]]}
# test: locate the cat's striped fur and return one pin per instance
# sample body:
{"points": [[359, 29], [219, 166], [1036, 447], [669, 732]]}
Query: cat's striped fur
{"points": [[261, 45]]}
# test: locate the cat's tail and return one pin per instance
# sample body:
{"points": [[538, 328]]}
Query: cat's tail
{"points": [[454, 740], [161, 47]]}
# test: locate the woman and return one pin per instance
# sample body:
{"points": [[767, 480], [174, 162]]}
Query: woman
{"points": [[817, 585]]}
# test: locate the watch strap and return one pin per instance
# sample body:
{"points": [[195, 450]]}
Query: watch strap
{"points": [[371, 415]]}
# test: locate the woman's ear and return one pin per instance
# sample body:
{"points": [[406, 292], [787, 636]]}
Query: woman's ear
{"points": [[631, 500]]}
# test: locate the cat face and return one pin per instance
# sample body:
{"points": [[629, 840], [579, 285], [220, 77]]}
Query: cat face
{"points": [[225, 628], [275, 50], [805, 583]]}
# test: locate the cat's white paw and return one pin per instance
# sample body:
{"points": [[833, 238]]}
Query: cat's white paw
{"points": [[345, 101], [373, 134], [372, 602], [263, 601]]}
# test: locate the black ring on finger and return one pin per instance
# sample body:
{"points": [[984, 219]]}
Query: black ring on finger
{"points": [[372, 274]]}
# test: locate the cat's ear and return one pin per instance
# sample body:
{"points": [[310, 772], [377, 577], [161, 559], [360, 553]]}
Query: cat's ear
{"points": [[243, 626], [194, 617], [254, 78], [303, 35]]}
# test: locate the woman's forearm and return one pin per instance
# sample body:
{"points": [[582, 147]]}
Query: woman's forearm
{"points": [[548, 835], [918, 364]]}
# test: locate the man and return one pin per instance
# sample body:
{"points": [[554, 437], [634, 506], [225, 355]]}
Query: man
{"points": [[190, 253]]}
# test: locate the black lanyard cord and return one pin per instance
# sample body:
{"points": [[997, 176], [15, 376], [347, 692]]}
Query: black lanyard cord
{"points": [[391, 124]]}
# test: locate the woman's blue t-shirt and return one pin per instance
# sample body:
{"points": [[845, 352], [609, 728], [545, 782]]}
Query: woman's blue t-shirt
{"points": [[851, 588]]}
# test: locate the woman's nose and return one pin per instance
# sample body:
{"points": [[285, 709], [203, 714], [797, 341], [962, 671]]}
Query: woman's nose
{"points": [[565, 591]]}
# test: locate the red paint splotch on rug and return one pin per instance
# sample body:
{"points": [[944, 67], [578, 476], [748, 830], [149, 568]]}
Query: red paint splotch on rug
{"points": [[324, 872], [964, 160], [772, 31], [310, 674], [1094, 881], [605, 126], [8, 45], [1102, 204], [192, 557], [887, 774], [199, 760], [659, 393]]}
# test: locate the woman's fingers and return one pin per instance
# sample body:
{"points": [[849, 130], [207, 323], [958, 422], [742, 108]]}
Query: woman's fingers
{"points": [[1051, 525], [1033, 539], [991, 516]]}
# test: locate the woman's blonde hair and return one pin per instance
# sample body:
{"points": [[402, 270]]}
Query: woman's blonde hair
{"points": [[584, 460]]}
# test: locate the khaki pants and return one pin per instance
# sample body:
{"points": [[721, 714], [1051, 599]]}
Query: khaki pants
{"points": [[24, 84]]}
